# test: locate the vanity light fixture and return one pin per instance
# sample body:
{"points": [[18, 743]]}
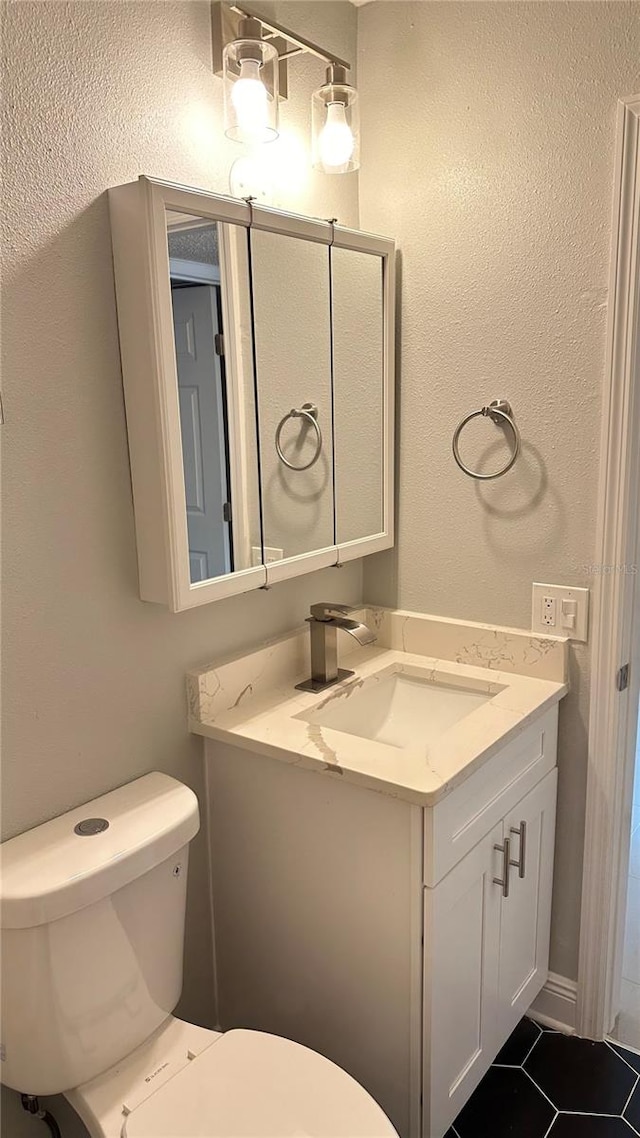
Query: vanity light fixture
{"points": [[250, 72], [252, 54]]}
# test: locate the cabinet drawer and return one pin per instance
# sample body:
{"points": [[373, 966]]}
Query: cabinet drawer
{"points": [[459, 821]]}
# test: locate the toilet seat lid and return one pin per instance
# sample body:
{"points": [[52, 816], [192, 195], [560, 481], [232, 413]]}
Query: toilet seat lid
{"points": [[252, 1085]]}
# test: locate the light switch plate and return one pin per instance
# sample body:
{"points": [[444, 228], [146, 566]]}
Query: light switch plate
{"points": [[560, 610]]}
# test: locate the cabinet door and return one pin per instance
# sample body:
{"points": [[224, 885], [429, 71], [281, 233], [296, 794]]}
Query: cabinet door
{"points": [[358, 393], [461, 955], [526, 912], [291, 297]]}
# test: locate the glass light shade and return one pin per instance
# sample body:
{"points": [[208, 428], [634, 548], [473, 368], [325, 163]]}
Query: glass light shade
{"points": [[335, 124], [251, 91]]}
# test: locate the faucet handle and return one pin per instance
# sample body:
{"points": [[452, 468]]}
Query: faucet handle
{"points": [[328, 611]]}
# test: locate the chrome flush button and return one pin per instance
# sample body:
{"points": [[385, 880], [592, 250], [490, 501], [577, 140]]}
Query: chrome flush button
{"points": [[89, 826]]}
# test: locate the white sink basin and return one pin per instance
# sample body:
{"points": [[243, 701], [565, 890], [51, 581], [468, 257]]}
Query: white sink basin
{"points": [[400, 709]]}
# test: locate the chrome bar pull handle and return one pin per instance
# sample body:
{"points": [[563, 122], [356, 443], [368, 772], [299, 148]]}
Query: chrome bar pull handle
{"points": [[521, 863], [503, 881]]}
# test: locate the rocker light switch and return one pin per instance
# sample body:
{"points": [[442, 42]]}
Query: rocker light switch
{"points": [[569, 613]]}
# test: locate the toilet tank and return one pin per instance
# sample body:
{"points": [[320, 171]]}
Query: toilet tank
{"points": [[92, 920]]}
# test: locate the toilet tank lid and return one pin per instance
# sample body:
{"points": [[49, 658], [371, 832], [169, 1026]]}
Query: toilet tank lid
{"points": [[52, 870]]}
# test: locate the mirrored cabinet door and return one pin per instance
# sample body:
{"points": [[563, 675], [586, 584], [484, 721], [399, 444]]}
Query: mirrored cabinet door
{"points": [[358, 392], [292, 333], [208, 272]]}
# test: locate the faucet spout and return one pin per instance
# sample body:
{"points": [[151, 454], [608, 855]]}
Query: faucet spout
{"points": [[324, 622], [359, 631]]}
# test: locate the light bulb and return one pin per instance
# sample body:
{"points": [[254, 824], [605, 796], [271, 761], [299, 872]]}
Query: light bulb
{"points": [[249, 98], [336, 142]]}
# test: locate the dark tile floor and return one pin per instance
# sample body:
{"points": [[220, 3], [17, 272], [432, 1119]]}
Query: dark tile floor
{"points": [[547, 1085]]}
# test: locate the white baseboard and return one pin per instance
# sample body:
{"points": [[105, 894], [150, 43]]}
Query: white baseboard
{"points": [[617, 1043], [556, 1005]]}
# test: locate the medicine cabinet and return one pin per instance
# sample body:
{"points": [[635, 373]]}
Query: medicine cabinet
{"points": [[257, 354]]}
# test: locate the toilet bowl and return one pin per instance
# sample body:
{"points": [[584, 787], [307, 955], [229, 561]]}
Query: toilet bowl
{"points": [[92, 915]]}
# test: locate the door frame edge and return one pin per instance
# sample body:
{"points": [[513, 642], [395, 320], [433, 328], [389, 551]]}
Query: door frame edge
{"points": [[616, 535]]}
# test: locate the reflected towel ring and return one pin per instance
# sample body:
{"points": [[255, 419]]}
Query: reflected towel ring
{"points": [[500, 412], [309, 412]]}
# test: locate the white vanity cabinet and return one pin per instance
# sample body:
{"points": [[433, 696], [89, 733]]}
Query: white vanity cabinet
{"points": [[375, 929]]}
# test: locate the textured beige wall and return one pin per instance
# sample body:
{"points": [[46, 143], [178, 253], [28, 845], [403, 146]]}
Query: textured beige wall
{"points": [[488, 140], [94, 94]]}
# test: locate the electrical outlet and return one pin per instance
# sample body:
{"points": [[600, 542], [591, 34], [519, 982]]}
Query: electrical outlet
{"points": [[548, 612], [561, 610]]}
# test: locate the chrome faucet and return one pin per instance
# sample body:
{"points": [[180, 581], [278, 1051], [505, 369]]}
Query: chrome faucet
{"points": [[324, 622]]}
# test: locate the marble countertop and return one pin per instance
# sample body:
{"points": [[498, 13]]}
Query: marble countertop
{"points": [[251, 701]]}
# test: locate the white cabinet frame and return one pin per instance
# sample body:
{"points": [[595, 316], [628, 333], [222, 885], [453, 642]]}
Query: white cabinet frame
{"points": [[141, 260]]}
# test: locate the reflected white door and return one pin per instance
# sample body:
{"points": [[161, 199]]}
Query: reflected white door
{"points": [[202, 422]]}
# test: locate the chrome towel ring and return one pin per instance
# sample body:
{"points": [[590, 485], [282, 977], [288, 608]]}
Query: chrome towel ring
{"points": [[500, 412], [308, 412]]}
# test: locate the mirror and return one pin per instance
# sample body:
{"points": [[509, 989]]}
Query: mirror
{"points": [[257, 353], [292, 332], [217, 411], [358, 392]]}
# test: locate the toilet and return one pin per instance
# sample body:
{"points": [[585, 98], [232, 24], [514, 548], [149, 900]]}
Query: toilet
{"points": [[92, 917]]}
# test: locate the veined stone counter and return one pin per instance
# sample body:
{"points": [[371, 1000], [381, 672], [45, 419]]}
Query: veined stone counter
{"points": [[250, 700]]}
